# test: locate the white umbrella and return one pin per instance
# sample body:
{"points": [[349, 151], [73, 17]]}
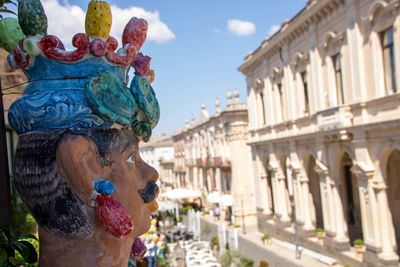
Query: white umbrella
{"points": [[226, 200], [213, 197], [180, 193], [166, 205]]}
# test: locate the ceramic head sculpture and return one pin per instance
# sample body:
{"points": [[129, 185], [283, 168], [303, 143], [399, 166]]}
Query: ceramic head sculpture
{"points": [[77, 165]]}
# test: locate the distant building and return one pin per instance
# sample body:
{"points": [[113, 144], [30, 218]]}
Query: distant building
{"points": [[159, 153], [217, 158], [179, 160], [324, 113]]}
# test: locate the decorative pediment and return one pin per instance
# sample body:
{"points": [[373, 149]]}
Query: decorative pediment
{"points": [[276, 74], [362, 170], [300, 62], [333, 42], [259, 84], [320, 168], [381, 14], [376, 9], [273, 166]]}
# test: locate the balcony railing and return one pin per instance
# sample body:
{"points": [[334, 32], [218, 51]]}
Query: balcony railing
{"points": [[209, 161]]}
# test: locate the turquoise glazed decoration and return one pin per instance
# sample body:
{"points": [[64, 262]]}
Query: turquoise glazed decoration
{"points": [[110, 98], [80, 89], [31, 17], [10, 33]]}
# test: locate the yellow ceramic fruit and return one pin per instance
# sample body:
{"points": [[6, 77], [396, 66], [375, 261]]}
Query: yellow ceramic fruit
{"points": [[98, 19]]}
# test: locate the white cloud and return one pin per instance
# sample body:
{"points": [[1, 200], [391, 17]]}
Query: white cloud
{"points": [[241, 28], [158, 30], [273, 29], [66, 20], [216, 30]]}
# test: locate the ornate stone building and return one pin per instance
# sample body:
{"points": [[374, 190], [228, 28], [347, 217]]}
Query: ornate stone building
{"points": [[179, 160], [324, 113], [217, 158]]}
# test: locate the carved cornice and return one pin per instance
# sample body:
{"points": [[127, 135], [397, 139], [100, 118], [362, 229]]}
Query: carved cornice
{"points": [[292, 30]]}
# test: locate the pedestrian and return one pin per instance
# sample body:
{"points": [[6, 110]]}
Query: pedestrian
{"points": [[216, 211]]}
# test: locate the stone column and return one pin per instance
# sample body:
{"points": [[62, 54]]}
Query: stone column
{"points": [[341, 239], [308, 227], [201, 180], [218, 179], [210, 185], [283, 202], [380, 247], [196, 179]]}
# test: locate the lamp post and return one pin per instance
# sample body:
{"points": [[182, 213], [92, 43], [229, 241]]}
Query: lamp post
{"points": [[243, 224]]}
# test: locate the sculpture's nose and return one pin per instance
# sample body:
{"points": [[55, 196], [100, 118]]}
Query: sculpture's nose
{"points": [[149, 173]]}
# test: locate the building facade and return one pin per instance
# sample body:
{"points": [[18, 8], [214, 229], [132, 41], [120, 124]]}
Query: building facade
{"points": [[217, 158], [324, 113], [179, 160], [159, 153]]}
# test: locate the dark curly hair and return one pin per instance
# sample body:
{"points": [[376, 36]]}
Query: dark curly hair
{"points": [[48, 196]]}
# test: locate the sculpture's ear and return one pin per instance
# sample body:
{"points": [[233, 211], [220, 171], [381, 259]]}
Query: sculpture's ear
{"points": [[79, 164]]}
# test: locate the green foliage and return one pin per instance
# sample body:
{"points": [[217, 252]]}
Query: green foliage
{"points": [[214, 242], [22, 219], [319, 230], [166, 248], [4, 9], [246, 262], [265, 237], [347, 265], [358, 242], [263, 263], [185, 210], [272, 214], [180, 218], [11, 245], [205, 229], [161, 261], [236, 257]]}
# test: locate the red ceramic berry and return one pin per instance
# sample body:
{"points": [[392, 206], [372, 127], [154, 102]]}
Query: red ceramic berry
{"points": [[113, 216], [138, 249], [135, 33]]}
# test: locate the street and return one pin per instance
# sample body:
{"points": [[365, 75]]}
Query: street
{"points": [[251, 246]]}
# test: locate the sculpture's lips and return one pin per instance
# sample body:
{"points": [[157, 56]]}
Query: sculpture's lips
{"points": [[149, 193]]}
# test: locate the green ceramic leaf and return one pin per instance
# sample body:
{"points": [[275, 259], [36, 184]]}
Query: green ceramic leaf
{"points": [[10, 33], [31, 17]]}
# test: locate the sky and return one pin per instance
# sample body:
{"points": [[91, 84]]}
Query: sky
{"points": [[195, 46]]}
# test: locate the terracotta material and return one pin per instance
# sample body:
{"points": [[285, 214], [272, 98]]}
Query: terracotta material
{"points": [[79, 163]]}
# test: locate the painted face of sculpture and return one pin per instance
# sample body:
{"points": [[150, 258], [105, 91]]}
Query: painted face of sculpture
{"points": [[81, 165]]}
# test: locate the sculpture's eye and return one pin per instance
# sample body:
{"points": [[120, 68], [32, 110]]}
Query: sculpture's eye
{"points": [[131, 159]]}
